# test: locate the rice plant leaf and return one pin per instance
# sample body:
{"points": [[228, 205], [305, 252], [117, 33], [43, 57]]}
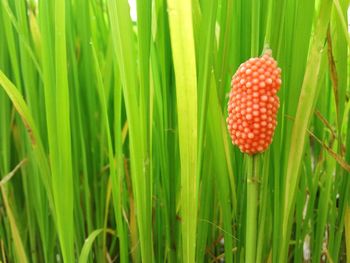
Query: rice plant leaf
{"points": [[23, 110], [125, 54], [20, 106], [342, 20], [338, 60], [306, 103], [62, 174], [182, 40], [85, 251], [336, 156], [117, 202], [204, 48], [19, 248], [22, 38], [217, 130], [7, 177], [347, 232], [17, 239]]}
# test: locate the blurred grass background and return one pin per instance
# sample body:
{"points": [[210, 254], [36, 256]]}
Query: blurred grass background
{"points": [[113, 142]]}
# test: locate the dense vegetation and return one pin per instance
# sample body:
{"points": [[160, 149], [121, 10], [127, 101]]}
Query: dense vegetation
{"points": [[113, 137]]}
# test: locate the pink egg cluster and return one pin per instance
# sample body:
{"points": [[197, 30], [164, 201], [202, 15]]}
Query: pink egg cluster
{"points": [[253, 104]]}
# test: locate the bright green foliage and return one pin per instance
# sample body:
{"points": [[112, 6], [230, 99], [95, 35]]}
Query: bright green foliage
{"points": [[113, 142]]}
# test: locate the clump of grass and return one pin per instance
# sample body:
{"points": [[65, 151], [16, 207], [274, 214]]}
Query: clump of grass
{"points": [[121, 124]]}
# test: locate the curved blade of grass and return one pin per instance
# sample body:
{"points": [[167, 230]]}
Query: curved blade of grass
{"points": [[332, 153], [7, 177], [85, 251], [182, 44], [19, 248], [23, 110]]}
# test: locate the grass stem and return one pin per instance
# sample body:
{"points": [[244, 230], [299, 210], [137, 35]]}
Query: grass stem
{"points": [[252, 207]]}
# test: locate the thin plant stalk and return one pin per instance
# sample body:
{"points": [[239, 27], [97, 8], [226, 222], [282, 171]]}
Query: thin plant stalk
{"points": [[252, 207]]}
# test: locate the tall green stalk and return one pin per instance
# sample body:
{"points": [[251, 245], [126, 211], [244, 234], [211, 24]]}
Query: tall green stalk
{"points": [[62, 174], [182, 38], [252, 207]]}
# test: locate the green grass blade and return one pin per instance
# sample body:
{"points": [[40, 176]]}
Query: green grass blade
{"points": [[85, 251], [19, 248], [122, 37], [112, 167], [306, 103], [63, 179], [33, 133], [182, 40]]}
